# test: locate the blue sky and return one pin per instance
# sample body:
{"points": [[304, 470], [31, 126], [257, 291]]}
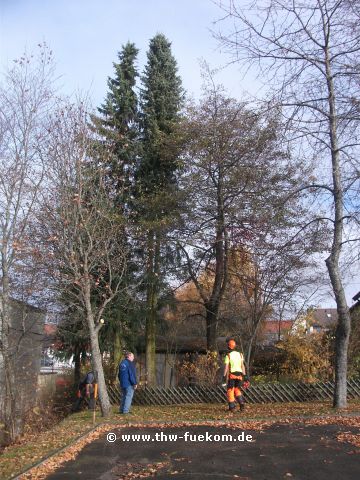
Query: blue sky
{"points": [[85, 36]]}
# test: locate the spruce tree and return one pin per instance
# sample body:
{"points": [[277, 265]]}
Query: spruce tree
{"points": [[117, 126], [161, 99], [118, 123]]}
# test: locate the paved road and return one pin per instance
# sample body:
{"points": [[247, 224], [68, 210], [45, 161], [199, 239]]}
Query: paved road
{"points": [[295, 452]]}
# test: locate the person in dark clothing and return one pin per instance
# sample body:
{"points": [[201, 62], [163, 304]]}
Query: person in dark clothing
{"points": [[85, 392], [128, 382]]}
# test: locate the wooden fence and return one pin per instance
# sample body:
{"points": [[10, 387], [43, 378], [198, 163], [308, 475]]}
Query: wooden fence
{"points": [[261, 393]]}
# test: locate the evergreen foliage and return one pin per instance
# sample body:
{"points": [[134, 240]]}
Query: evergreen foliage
{"points": [[156, 199], [118, 123], [161, 99], [117, 127]]}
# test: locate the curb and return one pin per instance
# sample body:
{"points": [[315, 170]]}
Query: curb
{"points": [[53, 453]]}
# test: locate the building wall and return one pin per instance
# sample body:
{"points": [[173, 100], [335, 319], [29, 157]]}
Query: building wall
{"points": [[26, 336], [165, 369]]}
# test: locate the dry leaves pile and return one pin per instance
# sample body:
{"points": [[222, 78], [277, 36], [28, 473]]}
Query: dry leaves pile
{"points": [[348, 437], [35, 445], [335, 420], [129, 471], [48, 466]]}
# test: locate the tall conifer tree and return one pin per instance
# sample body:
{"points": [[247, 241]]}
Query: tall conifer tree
{"points": [[118, 123], [118, 129], [161, 99]]}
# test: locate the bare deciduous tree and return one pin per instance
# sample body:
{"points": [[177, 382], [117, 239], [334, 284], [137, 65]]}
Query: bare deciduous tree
{"points": [[80, 229], [26, 95], [278, 269], [308, 52]]}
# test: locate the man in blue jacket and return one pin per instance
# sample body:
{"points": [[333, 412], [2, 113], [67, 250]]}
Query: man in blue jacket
{"points": [[128, 383]]}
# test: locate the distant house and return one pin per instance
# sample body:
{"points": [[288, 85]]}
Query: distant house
{"points": [[273, 330], [49, 362], [324, 319], [354, 344], [355, 318], [356, 299], [316, 320]]}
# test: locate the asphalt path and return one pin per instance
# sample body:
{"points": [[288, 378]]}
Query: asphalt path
{"points": [[293, 451]]}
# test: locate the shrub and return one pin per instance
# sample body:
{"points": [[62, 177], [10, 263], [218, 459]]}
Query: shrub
{"points": [[200, 369], [306, 358]]}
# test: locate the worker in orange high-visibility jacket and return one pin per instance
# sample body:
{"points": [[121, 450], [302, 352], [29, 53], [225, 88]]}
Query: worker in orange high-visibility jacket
{"points": [[235, 376]]}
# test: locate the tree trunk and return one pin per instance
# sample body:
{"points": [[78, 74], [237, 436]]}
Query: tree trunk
{"points": [[221, 271], [211, 327], [256, 321], [342, 336], [99, 371], [151, 308], [117, 351], [77, 366], [150, 348], [96, 358], [248, 355], [13, 418], [332, 262]]}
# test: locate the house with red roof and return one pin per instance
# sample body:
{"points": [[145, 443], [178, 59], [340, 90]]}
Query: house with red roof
{"points": [[273, 331]]}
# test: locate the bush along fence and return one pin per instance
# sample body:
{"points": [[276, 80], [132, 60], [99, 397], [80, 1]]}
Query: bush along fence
{"points": [[261, 393]]}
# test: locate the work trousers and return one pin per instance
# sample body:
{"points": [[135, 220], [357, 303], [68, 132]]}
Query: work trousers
{"points": [[233, 392], [82, 398]]}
